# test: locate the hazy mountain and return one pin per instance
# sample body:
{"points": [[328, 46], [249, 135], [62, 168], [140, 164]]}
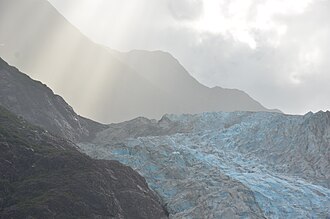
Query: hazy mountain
{"points": [[43, 176], [187, 95], [99, 83], [228, 165], [39, 105]]}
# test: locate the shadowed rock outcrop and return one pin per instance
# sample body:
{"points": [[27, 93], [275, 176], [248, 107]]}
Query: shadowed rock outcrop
{"points": [[44, 176], [39, 105]]}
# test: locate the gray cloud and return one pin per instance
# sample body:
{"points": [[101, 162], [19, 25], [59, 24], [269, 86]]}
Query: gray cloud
{"points": [[185, 9], [293, 76]]}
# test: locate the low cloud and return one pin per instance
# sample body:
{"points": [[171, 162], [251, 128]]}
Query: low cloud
{"points": [[186, 9]]}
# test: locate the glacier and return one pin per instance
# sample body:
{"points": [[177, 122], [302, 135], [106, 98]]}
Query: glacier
{"points": [[228, 164]]}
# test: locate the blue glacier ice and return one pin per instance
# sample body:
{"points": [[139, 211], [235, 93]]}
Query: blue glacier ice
{"points": [[228, 165]]}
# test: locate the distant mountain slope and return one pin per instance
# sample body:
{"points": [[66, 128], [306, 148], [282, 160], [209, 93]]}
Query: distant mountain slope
{"points": [[189, 96], [39, 105], [99, 83], [43, 176], [228, 164]]}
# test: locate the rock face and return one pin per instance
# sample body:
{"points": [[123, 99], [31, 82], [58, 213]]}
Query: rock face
{"points": [[228, 165], [105, 85], [39, 105], [43, 176]]}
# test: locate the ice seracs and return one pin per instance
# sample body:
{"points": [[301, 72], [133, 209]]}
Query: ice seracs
{"points": [[239, 164]]}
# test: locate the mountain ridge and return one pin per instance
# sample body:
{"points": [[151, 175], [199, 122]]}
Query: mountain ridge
{"points": [[38, 104], [56, 51]]}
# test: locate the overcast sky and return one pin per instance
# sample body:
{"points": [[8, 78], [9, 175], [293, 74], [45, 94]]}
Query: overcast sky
{"points": [[278, 51]]}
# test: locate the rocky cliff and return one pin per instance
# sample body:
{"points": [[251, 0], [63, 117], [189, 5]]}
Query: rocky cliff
{"points": [[39, 105], [44, 176]]}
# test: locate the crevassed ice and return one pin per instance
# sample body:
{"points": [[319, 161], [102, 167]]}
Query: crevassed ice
{"points": [[231, 165]]}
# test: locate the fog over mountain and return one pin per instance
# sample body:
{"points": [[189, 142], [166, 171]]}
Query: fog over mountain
{"points": [[275, 50], [98, 82]]}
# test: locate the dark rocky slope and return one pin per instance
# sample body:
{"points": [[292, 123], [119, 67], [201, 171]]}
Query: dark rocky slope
{"points": [[39, 105], [44, 176], [104, 85]]}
